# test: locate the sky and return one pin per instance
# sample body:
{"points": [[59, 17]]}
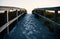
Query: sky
{"points": [[29, 5]]}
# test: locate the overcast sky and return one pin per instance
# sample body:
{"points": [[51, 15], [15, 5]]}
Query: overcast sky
{"points": [[30, 4]]}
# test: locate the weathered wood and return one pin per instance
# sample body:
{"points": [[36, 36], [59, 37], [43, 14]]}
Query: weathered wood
{"points": [[50, 21], [17, 15], [8, 23], [56, 16], [44, 15]]}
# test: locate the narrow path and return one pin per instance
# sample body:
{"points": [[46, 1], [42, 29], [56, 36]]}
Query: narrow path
{"points": [[30, 28]]}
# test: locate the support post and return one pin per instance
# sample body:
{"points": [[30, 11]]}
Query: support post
{"points": [[44, 14], [56, 16], [7, 21], [17, 15], [56, 20]]}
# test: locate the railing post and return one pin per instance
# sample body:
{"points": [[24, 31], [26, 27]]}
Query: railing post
{"points": [[56, 16], [7, 21], [17, 15], [44, 14], [56, 19]]}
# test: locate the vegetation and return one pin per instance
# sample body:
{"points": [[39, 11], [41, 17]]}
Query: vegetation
{"points": [[50, 15]]}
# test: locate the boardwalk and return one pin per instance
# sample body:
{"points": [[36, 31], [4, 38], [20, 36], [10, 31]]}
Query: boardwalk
{"points": [[30, 28]]}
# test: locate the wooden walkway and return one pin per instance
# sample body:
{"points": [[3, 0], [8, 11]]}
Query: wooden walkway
{"points": [[30, 28]]}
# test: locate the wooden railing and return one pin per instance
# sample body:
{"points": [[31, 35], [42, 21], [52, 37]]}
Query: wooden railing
{"points": [[10, 17], [42, 14]]}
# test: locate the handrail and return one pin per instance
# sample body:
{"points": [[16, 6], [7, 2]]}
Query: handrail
{"points": [[8, 23], [47, 19]]}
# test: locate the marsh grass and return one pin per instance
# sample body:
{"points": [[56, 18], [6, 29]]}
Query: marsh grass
{"points": [[50, 15]]}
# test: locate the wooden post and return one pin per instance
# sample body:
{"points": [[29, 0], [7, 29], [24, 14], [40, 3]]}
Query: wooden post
{"points": [[17, 15], [44, 14], [7, 21], [56, 20], [56, 16]]}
